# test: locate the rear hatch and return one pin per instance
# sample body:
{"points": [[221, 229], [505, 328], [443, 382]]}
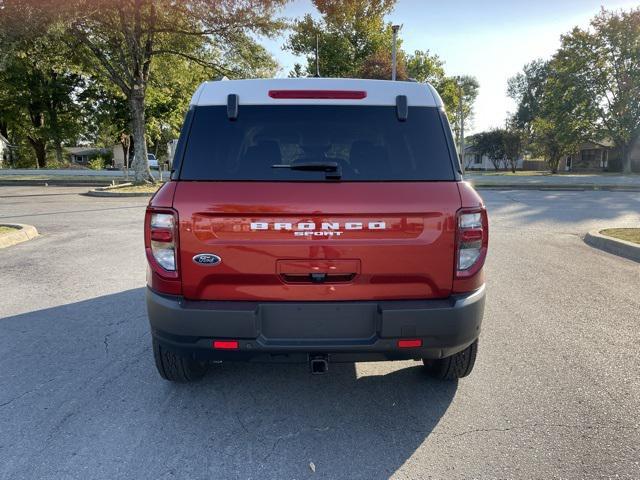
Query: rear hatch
{"points": [[359, 205]]}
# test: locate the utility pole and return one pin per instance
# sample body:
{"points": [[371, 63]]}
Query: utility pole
{"points": [[394, 29], [461, 116], [317, 56]]}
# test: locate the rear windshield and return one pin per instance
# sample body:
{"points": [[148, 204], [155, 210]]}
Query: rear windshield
{"points": [[367, 143]]}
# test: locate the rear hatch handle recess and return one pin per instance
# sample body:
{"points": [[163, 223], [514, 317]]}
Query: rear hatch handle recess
{"points": [[332, 170]]}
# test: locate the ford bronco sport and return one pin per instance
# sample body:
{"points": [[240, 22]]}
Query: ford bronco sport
{"points": [[317, 220]]}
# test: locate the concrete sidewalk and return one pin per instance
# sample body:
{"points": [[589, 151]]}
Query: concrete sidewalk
{"points": [[558, 181]]}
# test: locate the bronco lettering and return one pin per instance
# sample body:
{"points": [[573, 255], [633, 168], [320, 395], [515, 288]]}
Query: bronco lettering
{"points": [[311, 228]]}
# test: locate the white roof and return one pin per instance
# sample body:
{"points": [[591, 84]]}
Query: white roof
{"points": [[256, 92]]}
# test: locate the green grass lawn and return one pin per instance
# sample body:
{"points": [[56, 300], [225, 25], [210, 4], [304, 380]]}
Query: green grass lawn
{"points": [[628, 234], [4, 229], [138, 188]]}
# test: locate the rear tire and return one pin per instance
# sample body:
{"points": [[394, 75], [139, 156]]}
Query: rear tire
{"points": [[176, 368], [456, 366]]}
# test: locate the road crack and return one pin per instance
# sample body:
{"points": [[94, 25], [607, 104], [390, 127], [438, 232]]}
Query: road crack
{"points": [[26, 393]]}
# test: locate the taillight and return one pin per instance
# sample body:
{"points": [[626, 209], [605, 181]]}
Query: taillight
{"points": [[163, 247], [472, 238], [161, 240]]}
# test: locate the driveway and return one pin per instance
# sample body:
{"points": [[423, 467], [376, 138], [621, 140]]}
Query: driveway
{"points": [[555, 392]]}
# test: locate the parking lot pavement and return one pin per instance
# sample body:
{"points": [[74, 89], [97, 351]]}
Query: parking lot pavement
{"points": [[555, 392]]}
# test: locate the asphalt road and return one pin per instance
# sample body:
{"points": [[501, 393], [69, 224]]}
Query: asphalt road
{"points": [[555, 392]]}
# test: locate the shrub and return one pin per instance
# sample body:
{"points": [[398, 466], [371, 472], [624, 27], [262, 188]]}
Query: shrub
{"points": [[96, 163]]}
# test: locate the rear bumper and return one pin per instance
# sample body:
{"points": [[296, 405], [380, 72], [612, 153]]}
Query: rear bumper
{"points": [[290, 331]]}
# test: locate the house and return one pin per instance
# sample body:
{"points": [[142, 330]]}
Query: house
{"points": [[599, 156], [592, 157], [5, 156], [475, 161], [82, 155]]}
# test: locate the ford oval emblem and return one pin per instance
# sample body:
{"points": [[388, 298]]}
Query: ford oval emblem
{"points": [[207, 259]]}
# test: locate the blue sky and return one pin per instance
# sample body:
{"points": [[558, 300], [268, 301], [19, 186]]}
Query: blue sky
{"points": [[491, 40]]}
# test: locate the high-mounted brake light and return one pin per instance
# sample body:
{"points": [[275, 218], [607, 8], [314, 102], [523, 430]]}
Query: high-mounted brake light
{"points": [[472, 238], [319, 94]]}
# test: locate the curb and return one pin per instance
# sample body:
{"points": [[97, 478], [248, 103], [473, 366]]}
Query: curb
{"points": [[108, 193], [561, 187], [24, 233], [622, 248]]}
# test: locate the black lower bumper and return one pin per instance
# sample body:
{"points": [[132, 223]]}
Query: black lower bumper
{"points": [[290, 331]]}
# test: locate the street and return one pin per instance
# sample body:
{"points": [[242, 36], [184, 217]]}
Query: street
{"points": [[555, 392]]}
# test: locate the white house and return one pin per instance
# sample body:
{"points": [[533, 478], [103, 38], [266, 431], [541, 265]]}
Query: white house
{"points": [[476, 161], [4, 152]]}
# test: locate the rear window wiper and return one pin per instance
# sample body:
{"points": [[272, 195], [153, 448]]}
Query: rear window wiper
{"points": [[332, 170]]}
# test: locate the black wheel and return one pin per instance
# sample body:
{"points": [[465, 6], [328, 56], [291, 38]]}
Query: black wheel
{"points": [[176, 368], [453, 367]]}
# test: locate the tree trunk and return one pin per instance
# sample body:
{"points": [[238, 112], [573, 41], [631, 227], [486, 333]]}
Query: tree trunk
{"points": [[625, 153], [59, 155], [39, 148], [140, 165]]}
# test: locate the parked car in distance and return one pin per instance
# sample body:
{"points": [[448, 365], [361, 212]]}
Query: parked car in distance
{"points": [[152, 160], [315, 220]]}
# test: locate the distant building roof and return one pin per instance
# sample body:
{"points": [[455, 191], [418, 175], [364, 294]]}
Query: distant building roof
{"points": [[605, 142], [85, 150]]}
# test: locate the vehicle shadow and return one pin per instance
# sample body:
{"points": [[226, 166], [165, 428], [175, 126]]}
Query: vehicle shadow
{"points": [[79, 388]]}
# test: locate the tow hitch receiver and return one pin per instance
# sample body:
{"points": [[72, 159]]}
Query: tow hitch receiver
{"points": [[319, 364]]}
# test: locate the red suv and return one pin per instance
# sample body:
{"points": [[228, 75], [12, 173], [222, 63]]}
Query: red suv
{"points": [[316, 220]]}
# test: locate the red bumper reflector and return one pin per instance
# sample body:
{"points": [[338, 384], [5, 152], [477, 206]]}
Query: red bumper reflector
{"points": [[310, 94], [410, 343], [225, 344]]}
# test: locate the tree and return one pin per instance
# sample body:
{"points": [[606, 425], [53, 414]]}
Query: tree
{"points": [[544, 112], [512, 144], [379, 66], [122, 39], [526, 89], [425, 67], [491, 144], [354, 39], [37, 100], [598, 78], [453, 90]]}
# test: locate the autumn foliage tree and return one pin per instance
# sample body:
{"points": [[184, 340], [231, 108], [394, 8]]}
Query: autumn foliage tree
{"points": [[597, 78], [122, 40], [353, 36], [588, 91]]}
